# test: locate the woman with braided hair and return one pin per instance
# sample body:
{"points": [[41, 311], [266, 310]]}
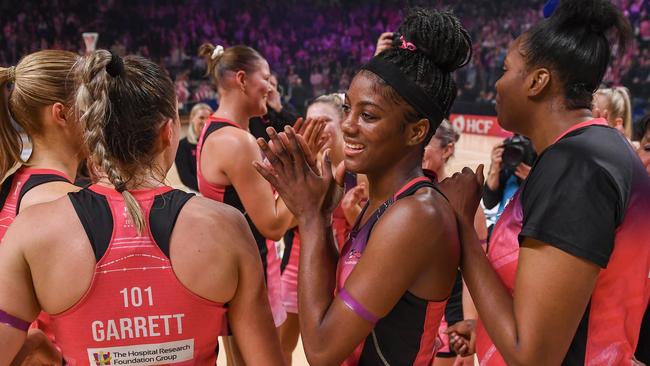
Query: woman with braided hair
{"points": [[152, 272], [381, 300]]}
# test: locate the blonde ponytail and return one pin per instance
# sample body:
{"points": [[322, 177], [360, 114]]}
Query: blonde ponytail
{"points": [[40, 79], [625, 107], [135, 211], [11, 144], [618, 105]]}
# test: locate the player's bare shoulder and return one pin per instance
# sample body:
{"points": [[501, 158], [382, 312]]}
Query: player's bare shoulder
{"points": [[213, 223]]}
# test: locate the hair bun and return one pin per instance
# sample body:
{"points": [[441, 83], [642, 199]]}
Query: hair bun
{"points": [[597, 15], [438, 35]]}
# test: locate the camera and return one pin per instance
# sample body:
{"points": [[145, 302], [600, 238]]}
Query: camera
{"points": [[517, 149]]}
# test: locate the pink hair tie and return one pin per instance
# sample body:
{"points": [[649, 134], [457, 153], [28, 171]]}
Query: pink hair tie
{"points": [[356, 306], [407, 45]]}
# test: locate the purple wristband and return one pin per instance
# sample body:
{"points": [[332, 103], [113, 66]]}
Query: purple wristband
{"points": [[355, 306], [13, 322]]}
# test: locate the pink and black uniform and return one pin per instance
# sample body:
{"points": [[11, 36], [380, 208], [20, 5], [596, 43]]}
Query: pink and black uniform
{"points": [[228, 195], [136, 311], [17, 185], [588, 195], [408, 335], [291, 256], [454, 309]]}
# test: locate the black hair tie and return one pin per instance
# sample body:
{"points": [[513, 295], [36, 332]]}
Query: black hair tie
{"points": [[115, 67], [120, 187]]}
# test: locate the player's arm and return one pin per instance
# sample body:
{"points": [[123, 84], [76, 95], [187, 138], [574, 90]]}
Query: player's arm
{"points": [[18, 304], [249, 312], [382, 276], [537, 325], [270, 215]]}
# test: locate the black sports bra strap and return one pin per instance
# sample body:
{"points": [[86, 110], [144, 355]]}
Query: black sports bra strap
{"points": [[6, 189], [95, 215], [215, 126], [405, 193], [412, 189], [35, 181], [164, 213]]}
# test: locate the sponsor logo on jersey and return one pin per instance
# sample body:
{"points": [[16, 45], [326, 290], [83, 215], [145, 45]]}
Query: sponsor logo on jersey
{"points": [[143, 354], [102, 358]]}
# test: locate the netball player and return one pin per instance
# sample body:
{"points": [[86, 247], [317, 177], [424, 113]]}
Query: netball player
{"points": [[227, 149], [329, 109], [151, 272], [565, 279], [384, 303], [613, 104], [40, 103], [459, 306]]}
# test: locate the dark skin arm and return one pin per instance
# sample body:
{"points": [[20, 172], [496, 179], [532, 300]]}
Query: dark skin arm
{"points": [[536, 326], [382, 275]]}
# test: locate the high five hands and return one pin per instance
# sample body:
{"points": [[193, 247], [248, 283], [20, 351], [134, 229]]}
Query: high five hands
{"points": [[290, 166]]}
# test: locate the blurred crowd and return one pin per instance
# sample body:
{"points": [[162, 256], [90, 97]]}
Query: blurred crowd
{"points": [[313, 46]]}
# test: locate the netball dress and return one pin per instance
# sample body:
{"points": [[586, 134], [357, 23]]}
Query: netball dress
{"points": [[228, 194]]}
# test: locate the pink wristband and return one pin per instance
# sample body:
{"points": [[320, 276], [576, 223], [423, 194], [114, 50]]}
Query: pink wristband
{"points": [[355, 306], [13, 322]]}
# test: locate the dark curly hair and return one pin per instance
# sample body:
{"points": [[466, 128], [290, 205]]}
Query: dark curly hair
{"points": [[443, 45]]}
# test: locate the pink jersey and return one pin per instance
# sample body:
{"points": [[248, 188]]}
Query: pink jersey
{"points": [[228, 195], [609, 331], [503, 254], [136, 311], [15, 187]]}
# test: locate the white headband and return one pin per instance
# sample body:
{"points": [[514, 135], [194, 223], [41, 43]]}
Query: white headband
{"points": [[218, 51]]}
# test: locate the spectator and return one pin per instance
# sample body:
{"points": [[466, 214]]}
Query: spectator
{"points": [[506, 174], [331, 38], [644, 139], [186, 153]]}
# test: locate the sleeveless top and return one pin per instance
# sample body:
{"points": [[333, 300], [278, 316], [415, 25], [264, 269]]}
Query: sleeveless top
{"points": [[136, 311], [408, 334], [268, 249], [17, 185]]}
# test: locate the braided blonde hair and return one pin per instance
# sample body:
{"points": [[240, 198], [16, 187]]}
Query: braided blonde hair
{"points": [[121, 115]]}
